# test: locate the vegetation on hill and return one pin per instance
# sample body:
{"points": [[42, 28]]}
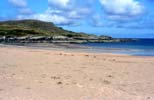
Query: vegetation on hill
{"points": [[35, 28], [30, 31]]}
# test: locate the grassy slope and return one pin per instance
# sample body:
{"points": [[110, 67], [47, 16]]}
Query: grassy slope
{"points": [[34, 27]]}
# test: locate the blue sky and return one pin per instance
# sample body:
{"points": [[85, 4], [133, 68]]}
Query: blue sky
{"points": [[118, 18]]}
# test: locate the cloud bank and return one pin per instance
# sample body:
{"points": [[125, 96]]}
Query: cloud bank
{"points": [[111, 13]]}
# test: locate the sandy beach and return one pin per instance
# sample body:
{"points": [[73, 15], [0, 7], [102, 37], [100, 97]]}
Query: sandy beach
{"points": [[38, 74]]}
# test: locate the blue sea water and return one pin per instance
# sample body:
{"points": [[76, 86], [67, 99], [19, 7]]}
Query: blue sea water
{"points": [[141, 47]]}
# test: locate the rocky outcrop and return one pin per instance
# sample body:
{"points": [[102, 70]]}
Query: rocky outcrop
{"points": [[58, 39], [103, 37]]}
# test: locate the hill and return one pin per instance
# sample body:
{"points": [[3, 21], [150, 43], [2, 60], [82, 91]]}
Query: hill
{"points": [[38, 31], [34, 28]]}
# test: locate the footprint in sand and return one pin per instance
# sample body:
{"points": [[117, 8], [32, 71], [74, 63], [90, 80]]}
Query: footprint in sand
{"points": [[59, 83], [94, 56], [90, 79], [87, 55], [60, 53], [1, 90], [55, 77], [110, 76], [28, 88], [106, 82]]}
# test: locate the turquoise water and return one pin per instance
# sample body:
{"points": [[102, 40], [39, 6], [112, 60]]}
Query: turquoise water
{"points": [[141, 47]]}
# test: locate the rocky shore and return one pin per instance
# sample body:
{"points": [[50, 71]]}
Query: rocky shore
{"points": [[59, 39]]}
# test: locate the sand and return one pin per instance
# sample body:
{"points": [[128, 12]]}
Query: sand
{"points": [[37, 74]]}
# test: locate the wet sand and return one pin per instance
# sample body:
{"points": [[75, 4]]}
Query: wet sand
{"points": [[37, 74]]}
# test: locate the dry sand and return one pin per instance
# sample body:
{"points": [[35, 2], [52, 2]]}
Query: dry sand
{"points": [[35, 74]]}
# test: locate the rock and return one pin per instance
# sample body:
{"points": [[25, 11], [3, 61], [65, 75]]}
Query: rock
{"points": [[103, 37]]}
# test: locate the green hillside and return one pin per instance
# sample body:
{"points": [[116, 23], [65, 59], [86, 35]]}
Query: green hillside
{"points": [[34, 27]]}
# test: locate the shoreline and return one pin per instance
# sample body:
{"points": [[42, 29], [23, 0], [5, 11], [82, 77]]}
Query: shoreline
{"points": [[63, 48], [78, 48]]}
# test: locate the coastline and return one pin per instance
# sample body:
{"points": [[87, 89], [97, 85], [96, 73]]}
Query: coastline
{"points": [[68, 47], [43, 74]]}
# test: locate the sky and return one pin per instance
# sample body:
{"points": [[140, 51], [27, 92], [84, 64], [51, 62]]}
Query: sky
{"points": [[117, 18]]}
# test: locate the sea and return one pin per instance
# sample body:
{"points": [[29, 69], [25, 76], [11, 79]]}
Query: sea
{"points": [[140, 47]]}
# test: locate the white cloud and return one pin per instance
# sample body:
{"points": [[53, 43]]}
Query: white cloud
{"points": [[56, 19], [118, 13], [21, 7], [59, 3], [84, 10], [74, 14], [71, 7], [72, 10], [25, 11], [53, 11], [61, 12], [97, 21], [57, 16], [18, 3], [79, 13], [123, 8]]}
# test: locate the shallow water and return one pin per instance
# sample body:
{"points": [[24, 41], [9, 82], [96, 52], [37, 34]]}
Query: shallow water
{"points": [[141, 47]]}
